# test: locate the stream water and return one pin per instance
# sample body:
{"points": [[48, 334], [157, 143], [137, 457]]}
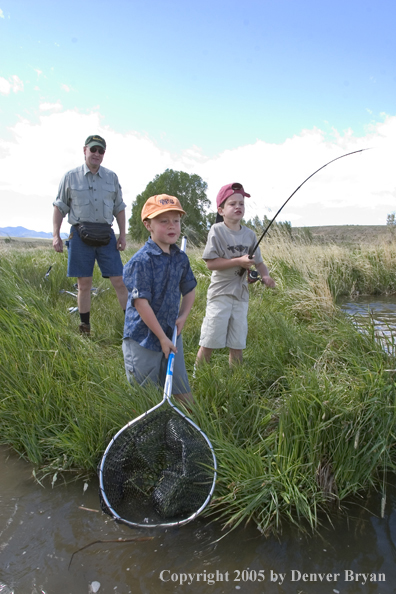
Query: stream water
{"points": [[57, 541], [379, 313]]}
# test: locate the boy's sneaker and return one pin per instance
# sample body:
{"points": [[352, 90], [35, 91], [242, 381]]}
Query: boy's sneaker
{"points": [[85, 329]]}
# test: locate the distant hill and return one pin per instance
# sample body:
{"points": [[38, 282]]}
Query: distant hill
{"points": [[22, 232], [350, 234]]}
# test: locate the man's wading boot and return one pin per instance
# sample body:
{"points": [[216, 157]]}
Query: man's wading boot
{"points": [[85, 329]]}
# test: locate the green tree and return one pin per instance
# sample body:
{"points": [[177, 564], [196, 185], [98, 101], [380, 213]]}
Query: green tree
{"points": [[391, 219], [191, 191], [258, 226]]}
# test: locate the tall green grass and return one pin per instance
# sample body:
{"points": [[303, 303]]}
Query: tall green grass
{"points": [[307, 421]]}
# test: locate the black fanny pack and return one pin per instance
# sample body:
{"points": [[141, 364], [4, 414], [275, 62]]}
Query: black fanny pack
{"points": [[94, 234]]}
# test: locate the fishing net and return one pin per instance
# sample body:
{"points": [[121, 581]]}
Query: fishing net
{"points": [[159, 470]]}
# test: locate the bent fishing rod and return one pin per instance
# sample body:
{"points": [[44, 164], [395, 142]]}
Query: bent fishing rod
{"points": [[251, 252]]}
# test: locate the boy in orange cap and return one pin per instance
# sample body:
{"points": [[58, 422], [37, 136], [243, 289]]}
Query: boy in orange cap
{"points": [[156, 277]]}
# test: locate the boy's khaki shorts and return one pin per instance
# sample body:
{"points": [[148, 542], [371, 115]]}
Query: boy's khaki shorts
{"points": [[225, 323], [145, 366]]}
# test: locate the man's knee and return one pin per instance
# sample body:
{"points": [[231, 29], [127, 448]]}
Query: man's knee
{"points": [[117, 282], [84, 283]]}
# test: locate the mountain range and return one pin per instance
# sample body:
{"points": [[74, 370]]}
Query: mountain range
{"points": [[23, 232]]}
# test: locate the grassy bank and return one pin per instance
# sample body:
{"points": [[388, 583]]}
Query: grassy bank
{"points": [[306, 421]]}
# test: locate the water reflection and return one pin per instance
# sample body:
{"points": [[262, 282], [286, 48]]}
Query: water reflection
{"points": [[41, 528], [376, 313]]}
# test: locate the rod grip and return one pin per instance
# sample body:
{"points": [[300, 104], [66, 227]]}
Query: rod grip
{"points": [[242, 271]]}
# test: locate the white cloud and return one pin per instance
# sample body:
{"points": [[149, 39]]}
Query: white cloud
{"points": [[50, 106], [65, 88], [14, 84], [17, 84], [5, 86], [359, 189], [1, 14]]}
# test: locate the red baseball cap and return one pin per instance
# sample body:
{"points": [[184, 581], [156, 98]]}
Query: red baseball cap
{"points": [[228, 190]]}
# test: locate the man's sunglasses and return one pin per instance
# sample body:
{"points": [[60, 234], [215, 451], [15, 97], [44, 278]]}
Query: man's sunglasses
{"points": [[236, 186], [93, 149]]}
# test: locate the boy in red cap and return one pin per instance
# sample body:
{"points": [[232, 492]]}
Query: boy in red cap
{"points": [[156, 277], [227, 250]]}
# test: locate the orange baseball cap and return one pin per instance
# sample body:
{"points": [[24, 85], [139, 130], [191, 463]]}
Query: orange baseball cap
{"points": [[159, 204]]}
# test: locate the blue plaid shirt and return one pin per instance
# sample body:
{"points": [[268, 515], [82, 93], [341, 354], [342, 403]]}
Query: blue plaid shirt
{"points": [[160, 278]]}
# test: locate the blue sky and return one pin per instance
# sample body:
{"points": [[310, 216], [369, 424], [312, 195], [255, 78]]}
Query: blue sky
{"points": [[262, 92]]}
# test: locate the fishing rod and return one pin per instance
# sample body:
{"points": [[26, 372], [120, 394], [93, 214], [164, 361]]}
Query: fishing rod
{"points": [[251, 252]]}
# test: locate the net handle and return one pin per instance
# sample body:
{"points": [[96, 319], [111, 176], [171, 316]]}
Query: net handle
{"points": [[171, 357]]}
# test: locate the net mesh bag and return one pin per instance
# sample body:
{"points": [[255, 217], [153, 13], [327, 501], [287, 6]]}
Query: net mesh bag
{"points": [[158, 470]]}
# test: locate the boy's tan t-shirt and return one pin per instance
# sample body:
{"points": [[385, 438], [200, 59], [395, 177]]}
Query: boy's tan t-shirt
{"points": [[223, 242]]}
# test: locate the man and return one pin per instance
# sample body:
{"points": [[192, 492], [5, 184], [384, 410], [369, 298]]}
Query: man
{"points": [[91, 194]]}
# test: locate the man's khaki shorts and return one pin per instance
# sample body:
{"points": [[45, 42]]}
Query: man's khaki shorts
{"points": [[225, 323]]}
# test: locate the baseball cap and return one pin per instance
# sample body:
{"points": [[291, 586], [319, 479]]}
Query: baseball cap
{"points": [[95, 140], [160, 203], [228, 190]]}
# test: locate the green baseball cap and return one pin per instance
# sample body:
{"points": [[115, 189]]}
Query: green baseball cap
{"points": [[95, 141]]}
